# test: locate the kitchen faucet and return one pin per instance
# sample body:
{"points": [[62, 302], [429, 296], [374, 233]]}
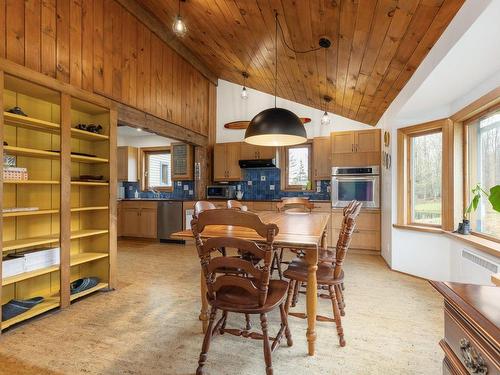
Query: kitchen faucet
{"points": [[156, 194]]}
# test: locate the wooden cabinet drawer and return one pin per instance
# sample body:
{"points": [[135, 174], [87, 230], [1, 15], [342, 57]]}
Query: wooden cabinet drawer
{"points": [[367, 220], [466, 343], [361, 239], [139, 204]]}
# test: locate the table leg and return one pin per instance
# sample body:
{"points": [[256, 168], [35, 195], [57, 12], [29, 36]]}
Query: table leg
{"points": [[204, 303], [312, 298]]}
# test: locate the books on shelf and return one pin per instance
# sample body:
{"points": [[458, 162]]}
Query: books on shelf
{"points": [[16, 264]]}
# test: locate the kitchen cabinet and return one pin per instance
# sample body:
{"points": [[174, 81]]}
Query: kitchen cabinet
{"points": [[253, 152], [355, 148], [139, 219], [322, 161], [182, 161], [127, 160], [226, 158], [366, 235]]}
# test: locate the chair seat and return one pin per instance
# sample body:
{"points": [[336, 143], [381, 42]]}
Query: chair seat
{"points": [[236, 299], [326, 256], [297, 270]]}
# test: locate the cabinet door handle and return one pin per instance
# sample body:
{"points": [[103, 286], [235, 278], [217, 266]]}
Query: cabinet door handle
{"points": [[352, 148]]}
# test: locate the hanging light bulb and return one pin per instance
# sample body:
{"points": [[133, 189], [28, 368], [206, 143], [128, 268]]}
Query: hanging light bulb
{"points": [[179, 27], [244, 92], [325, 119]]}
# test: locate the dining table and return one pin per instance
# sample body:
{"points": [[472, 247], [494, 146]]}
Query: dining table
{"points": [[297, 230]]}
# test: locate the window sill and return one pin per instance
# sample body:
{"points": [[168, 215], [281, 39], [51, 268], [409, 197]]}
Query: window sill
{"points": [[489, 247]]}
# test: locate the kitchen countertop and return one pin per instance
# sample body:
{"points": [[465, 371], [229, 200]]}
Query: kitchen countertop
{"points": [[213, 199]]}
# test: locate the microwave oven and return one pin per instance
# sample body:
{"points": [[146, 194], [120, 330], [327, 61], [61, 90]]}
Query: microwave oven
{"points": [[221, 192], [356, 183]]}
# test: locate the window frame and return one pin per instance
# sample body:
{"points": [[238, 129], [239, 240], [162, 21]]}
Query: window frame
{"points": [[144, 152], [495, 107], [284, 171], [404, 208]]}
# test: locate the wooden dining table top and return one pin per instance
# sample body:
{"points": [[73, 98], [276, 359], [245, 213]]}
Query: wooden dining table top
{"points": [[296, 229]]}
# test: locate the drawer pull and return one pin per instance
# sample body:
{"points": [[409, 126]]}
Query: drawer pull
{"points": [[473, 360]]}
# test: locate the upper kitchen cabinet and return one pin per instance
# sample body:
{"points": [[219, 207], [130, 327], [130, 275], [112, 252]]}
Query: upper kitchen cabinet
{"points": [[127, 163], [253, 152], [226, 158], [355, 148], [182, 161], [322, 161]]}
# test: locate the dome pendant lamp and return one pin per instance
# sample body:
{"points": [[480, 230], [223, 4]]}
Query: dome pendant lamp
{"points": [[276, 126]]}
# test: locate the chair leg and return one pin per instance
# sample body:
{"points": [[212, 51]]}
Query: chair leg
{"points": [[289, 297], [206, 343], [296, 290], [336, 315], [341, 302], [284, 321], [267, 346], [223, 326], [249, 324]]}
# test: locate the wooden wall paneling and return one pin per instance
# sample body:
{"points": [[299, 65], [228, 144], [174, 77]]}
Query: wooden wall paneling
{"points": [[48, 38], [75, 43], [99, 39], [156, 70], [63, 40], [32, 22], [116, 50], [88, 44], [126, 52], [15, 37], [112, 227], [2, 28], [65, 199], [1, 180], [143, 68], [166, 80], [132, 88]]}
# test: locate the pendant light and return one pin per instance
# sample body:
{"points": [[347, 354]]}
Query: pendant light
{"points": [[276, 126], [244, 92], [179, 27], [325, 119]]}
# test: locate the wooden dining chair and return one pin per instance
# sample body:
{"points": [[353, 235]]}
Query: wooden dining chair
{"points": [[292, 204], [250, 293], [201, 206], [330, 275], [236, 204]]}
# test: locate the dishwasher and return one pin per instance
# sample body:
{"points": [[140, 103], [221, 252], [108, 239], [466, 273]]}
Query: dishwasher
{"points": [[169, 220]]}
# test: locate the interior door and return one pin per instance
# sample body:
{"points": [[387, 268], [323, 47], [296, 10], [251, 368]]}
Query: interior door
{"points": [[367, 141], [220, 162], [343, 142]]}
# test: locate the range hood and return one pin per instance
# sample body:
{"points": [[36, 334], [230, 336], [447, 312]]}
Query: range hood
{"points": [[258, 163]]}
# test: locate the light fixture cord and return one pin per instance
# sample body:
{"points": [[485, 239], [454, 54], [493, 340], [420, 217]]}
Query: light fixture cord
{"points": [[179, 12], [286, 44], [276, 59], [326, 77]]}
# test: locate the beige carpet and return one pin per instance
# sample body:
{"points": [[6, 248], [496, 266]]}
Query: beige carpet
{"points": [[149, 325]]}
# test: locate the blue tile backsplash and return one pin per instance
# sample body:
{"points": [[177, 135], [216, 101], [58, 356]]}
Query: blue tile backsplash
{"points": [[182, 190], [261, 190]]}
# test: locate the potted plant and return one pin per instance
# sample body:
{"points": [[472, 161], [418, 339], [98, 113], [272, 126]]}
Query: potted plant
{"points": [[477, 193]]}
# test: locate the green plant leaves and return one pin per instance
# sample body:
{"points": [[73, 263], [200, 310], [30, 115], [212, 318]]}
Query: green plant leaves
{"points": [[494, 197]]}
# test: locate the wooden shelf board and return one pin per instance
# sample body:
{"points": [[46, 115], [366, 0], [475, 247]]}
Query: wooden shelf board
{"points": [[30, 123], [31, 182], [22, 151], [88, 159], [88, 136], [48, 304], [94, 208], [29, 275], [29, 242], [87, 233], [88, 291], [86, 257], [29, 213], [89, 183]]}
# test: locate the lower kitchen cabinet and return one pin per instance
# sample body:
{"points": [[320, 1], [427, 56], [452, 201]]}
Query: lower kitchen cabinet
{"points": [[139, 219], [366, 234]]}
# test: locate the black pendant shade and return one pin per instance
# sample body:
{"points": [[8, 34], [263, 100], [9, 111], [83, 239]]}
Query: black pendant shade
{"points": [[276, 127]]}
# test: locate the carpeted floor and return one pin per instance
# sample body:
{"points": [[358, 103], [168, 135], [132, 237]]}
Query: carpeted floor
{"points": [[149, 325]]}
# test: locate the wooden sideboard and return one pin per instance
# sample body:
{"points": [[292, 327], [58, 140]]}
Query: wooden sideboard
{"points": [[471, 342]]}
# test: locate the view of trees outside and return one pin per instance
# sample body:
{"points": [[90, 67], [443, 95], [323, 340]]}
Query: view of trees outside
{"points": [[487, 149], [159, 170], [298, 166], [426, 171]]}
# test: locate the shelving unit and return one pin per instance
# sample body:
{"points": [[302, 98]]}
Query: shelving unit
{"points": [[76, 216]]}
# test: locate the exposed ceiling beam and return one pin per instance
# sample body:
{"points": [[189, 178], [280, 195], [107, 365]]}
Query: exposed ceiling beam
{"points": [[148, 19]]}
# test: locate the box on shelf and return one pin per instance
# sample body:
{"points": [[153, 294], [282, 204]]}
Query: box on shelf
{"points": [[12, 266], [15, 173]]}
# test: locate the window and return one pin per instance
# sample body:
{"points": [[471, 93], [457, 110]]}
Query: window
{"points": [[426, 154], [298, 167], [157, 169], [483, 164]]}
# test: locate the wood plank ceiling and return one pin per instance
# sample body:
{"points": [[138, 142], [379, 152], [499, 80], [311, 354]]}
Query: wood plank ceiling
{"points": [[377, 46]]}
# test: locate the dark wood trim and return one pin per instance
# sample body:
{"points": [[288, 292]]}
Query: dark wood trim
{"points": [[138, 119], [157, 27]]}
